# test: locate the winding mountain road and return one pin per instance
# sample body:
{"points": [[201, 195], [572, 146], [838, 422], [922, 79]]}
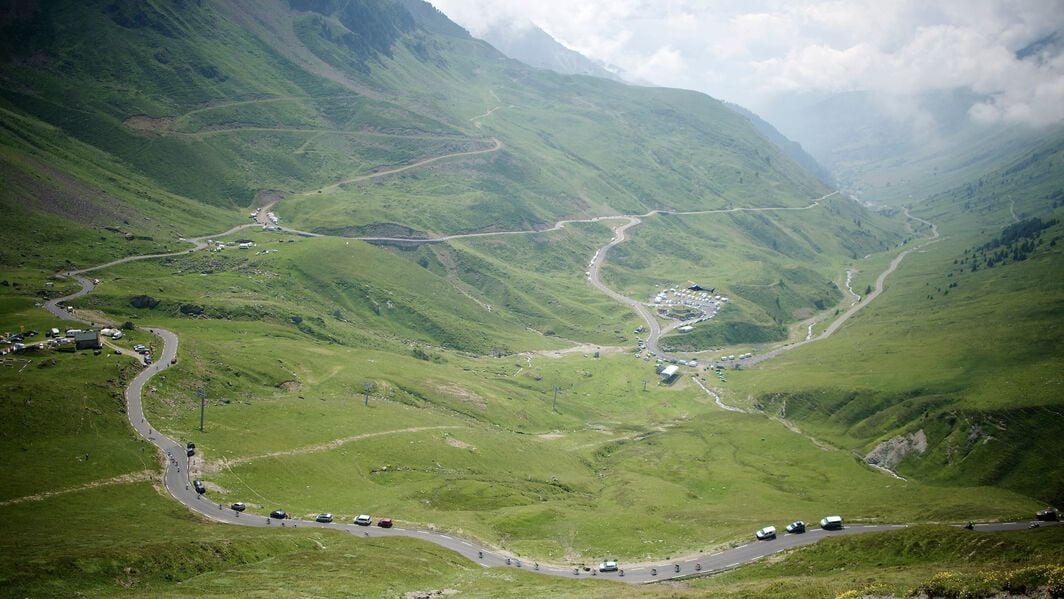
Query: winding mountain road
{"points": [[175, 464]]}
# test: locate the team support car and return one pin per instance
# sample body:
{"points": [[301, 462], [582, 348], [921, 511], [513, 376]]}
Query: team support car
{"points": [[831, 523], [796, 527], [279, 515], [324, 518], [608, 566], [238, 506], [384, 523], [363, 520], [1047, 515], [199, 486], [766, 533]]}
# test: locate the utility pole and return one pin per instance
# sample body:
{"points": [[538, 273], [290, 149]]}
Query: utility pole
{"points": [[366, 388], [202, 411], [644, 385], [554, 405]]}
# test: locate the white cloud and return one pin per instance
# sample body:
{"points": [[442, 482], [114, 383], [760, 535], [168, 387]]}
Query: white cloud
{"points": [[748, 51], [665, 64]]}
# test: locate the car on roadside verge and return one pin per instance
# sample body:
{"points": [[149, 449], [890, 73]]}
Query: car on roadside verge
{"points": [[238, 506], [766, 533], [1047, 515], [324, 518], [796, 527], [384, 523], [363, 520], [199, 486], [279, 515], [831, 523], [608, 566]]}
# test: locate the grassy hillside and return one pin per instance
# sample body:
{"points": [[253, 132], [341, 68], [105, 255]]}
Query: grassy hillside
{"points": [[896, 149], [938, 561], [964, 346]]}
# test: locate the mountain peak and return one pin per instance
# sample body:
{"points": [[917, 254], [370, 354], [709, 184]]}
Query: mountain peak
{"points": [[527, 42]]}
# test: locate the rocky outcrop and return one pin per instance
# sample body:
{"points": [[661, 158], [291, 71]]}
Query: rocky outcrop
{"points": [[890, 453], [191, 309], [143, 301]]}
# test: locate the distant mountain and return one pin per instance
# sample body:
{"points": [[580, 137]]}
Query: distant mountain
{"points": [[789, 147], [892, 148], [535, 47], [238, 103]]}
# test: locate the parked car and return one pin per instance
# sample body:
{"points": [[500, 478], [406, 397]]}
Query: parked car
{"points": [[190, 452], [384, 523], [279, 515], [325, 518], [199, 486], [238, 506], [608, 566], [364, 520], [190, 445], [831, 523], [766, 533], [1047, 515], [796, 527]]}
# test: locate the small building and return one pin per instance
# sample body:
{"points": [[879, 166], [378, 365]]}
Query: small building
{"points": [[669, 372], [87, 340]]}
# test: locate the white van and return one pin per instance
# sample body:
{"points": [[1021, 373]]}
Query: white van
{"points": [[831, 523]]}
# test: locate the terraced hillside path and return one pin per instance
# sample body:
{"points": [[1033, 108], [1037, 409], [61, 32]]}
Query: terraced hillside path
{"points": [[121, 479], [317, 448], [496, 146]]}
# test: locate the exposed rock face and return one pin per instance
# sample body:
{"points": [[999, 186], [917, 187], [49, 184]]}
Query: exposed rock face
{"points": [[144, 301], [890, 453], [191, 309]]}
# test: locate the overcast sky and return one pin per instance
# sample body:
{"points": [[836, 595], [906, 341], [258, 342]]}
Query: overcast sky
{"points": [[751, 51]]}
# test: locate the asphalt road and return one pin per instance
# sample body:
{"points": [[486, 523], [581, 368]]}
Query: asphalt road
{"points": [[177, 483]]}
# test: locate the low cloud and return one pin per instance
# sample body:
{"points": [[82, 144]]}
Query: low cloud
{"points": [[752, 51]]}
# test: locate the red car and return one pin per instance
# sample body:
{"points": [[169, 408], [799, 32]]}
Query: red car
{"points": [[384, 523]]}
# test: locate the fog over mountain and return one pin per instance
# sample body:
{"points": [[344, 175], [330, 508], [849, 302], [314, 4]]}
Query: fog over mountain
{"points": [[531, 45], [855, 83], [1006, 51]]}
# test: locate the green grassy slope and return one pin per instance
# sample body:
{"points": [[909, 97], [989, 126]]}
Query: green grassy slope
{"points": [[128, 537], [77, 206], [940, 561], [209, 110], [965, 345]]}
